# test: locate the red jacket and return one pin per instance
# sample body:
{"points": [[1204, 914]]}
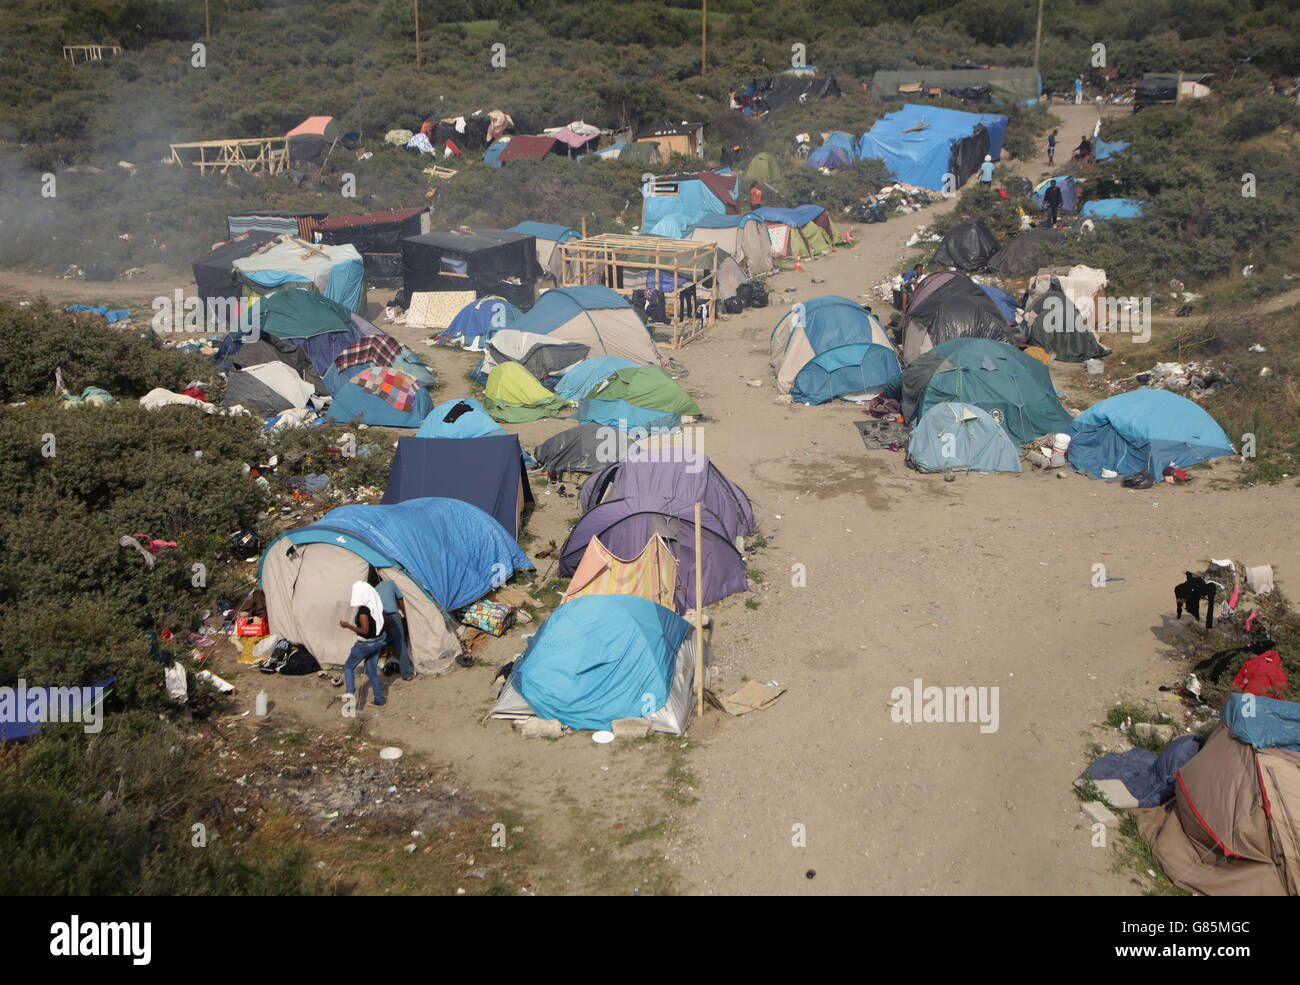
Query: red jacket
{"points": [[1263, 674]]}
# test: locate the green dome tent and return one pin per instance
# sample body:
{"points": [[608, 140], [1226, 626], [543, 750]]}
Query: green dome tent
{"points": [[514, 395], [762, 168], [1015, 389]]}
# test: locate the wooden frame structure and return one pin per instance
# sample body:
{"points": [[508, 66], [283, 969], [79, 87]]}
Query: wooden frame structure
{"points": [[604, 259], [92, 52], [253, 154]]}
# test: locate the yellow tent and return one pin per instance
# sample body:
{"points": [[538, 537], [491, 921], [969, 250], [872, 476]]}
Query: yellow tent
{"points": [[514, 395]]}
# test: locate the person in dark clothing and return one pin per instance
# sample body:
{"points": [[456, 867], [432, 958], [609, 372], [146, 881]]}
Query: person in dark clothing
{"points": [[395, 623], [1051, 147], [1052, 200], [1084, 150]]}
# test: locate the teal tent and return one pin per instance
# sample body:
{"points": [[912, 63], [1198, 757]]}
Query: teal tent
{"points": [[958, 436], [1144, 429]]}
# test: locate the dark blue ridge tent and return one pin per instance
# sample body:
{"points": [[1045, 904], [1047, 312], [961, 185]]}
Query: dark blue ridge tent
{"points": [[625, 526], [839, 151], [443, 554], [1113, 208], [1005, 302], [487, 472], [921, 144], [1015, 389], [598, 658], [353, 401], [482, 319], [1144, 429]]}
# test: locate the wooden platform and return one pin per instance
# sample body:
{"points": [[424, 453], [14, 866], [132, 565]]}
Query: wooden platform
{"points": [[604, 259], [89, 52], [268, 155]]}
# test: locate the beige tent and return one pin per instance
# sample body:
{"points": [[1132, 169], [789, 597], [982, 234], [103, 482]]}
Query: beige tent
{"points": [[651, 575], [307, 593], [1233, 828], [749, 243]]}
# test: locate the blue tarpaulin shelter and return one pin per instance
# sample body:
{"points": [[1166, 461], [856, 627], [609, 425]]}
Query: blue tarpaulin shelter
{"points": [[487, 472], [1265, 723], [482, 319], [1144, 429], [493, 153], [598, 658], [1005, 302], [673, 204], [33, 707], [947, 141], [1104, 149], [1113, 208], [839, 151]]}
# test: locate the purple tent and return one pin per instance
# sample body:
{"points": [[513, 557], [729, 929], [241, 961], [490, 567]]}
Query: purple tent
{"points": [[625, 526], [674, 488]]}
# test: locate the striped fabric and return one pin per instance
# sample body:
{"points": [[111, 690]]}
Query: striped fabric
{"points": [[651, 575], [378, 350]]}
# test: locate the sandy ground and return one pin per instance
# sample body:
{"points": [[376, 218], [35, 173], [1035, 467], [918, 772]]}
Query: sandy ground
{"points": [[984, 582]]}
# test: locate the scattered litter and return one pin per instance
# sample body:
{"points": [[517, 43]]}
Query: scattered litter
{"points": [[754, 696]]}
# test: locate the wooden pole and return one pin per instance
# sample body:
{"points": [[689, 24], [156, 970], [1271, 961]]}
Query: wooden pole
{"points": [[1038, 37], [207, 23], [699, 630], [417, 33], [704, 37]]}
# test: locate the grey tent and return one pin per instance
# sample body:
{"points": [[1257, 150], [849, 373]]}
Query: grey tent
{"points": [[1022, 254], [585, 448], [968, 246], [246, 390], [1056, 325], [949, 305], [270, 349]]}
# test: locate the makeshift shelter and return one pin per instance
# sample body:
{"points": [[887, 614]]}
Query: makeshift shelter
{"points": [[1005, 302], [763, 168], [674, 485], [1084, 286], [486, 471], [529, 147], [1233, 827], [1144, 429], [381, 349], [745, 237], [646, 153], [802, 231], [267, 388], [321, 328], [1065, 184], [486, 261], [378, 396], [1008, 85], [270, 349], [1057, 326], [652, 574], [780, 91], [312, 140], [600, 658], [219, 287], [267, 225], [672, 204], [839, 151], [1113, 208], [587, 447], [673, 138], [377, 236], [514, 395], [1022, 255], [646, 386], [968, 246], [478, 321], [948, 305], [1015, 389], [922, 144], [1104, 150], [957, 436], [582, 378], [830, 347], [492, 156], [596, 317], [337, 272], [442, 553], [548, 238]]}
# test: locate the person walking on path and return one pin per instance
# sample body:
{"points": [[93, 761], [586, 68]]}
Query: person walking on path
{"points": [[1078, 91], [1051, 148], [986, 172], [1052, 199]]}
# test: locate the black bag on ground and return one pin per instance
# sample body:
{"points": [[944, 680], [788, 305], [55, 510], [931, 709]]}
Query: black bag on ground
{"points": [[291, 659]]}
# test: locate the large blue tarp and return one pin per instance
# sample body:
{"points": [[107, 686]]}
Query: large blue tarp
{"points": [[1104, 149], [715, 220], [798, 217], [1265, 723], [484, 471], [31, 708], [472, 423], [547, 230], [922, 156], [1005, 302], [601, 657], [1144, 429], [456, 552], [483, 318], [1114, 208], [493, 152], [583, 377], [693, 200]]}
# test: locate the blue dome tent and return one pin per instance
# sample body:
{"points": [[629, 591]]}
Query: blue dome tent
{"points": [[830, 347], [1144, 429]]}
